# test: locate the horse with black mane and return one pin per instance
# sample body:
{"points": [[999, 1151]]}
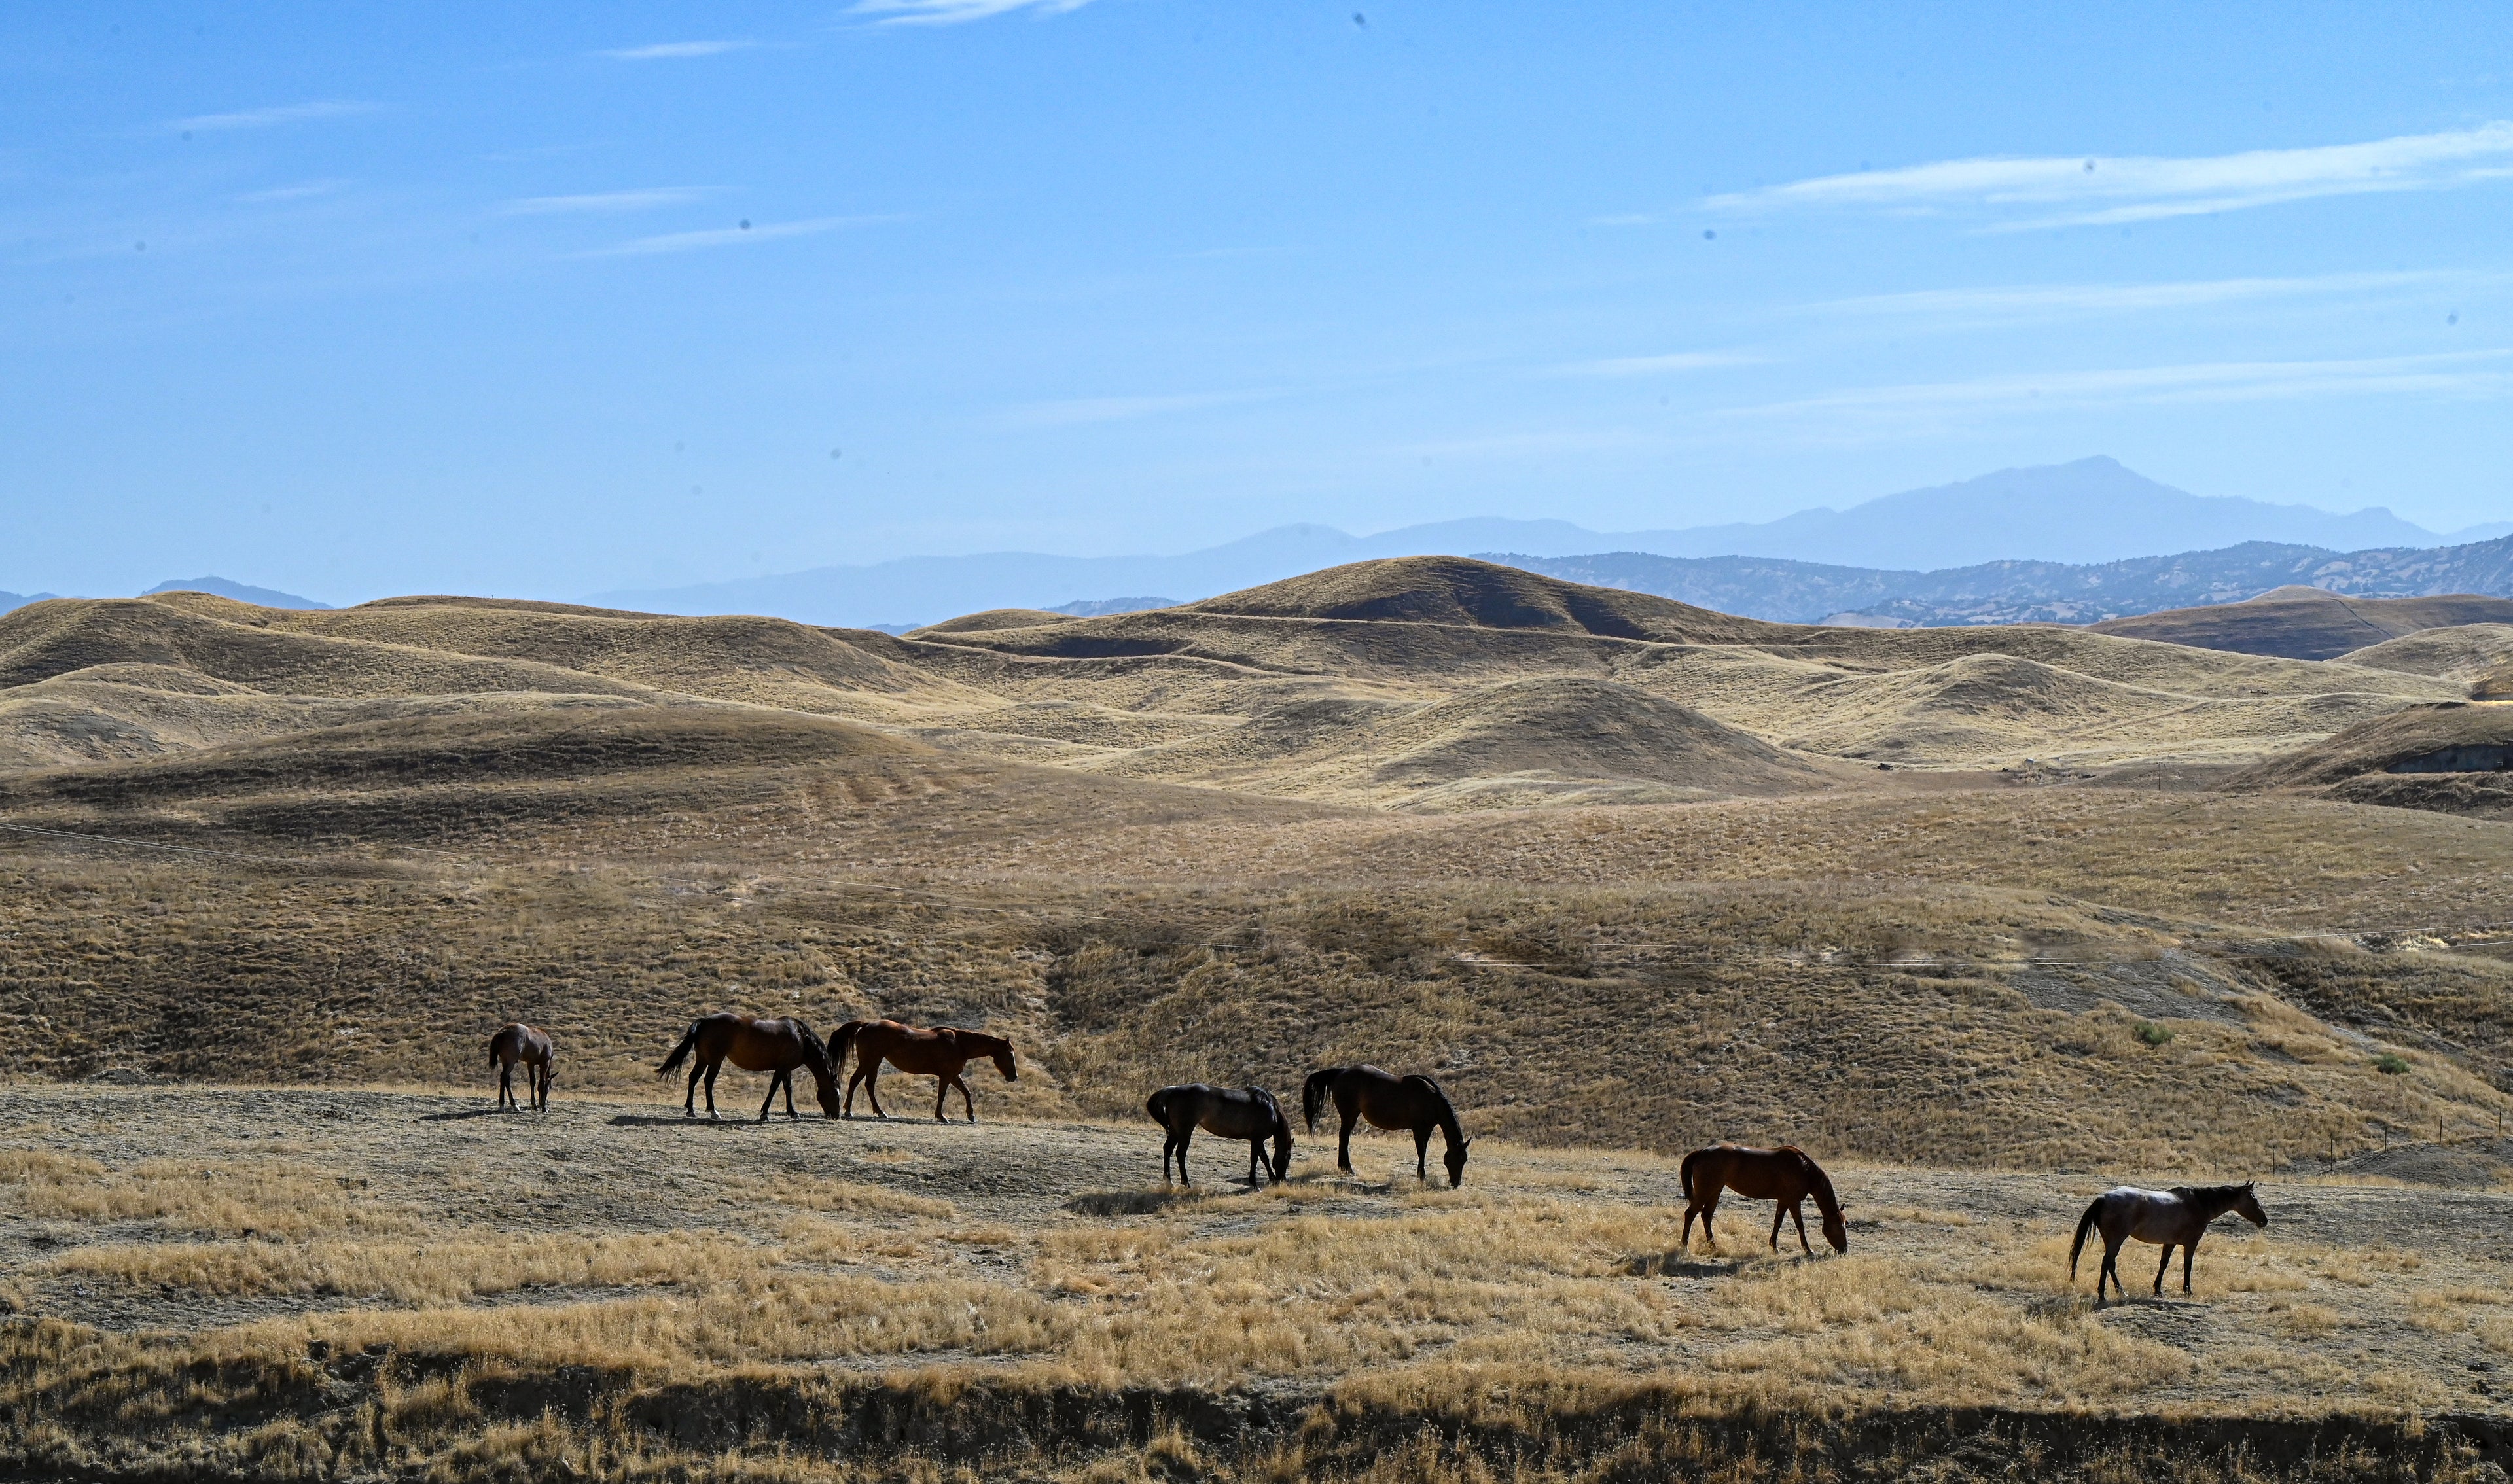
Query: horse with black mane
{"points": [[774, 1046], [1414, 1104], [939, 1053], [2175, 1218], [518, 1043], [1785, 1176], [1225, 1112]]}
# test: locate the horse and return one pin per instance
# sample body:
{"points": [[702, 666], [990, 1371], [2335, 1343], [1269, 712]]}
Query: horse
{"points": [[1412, 1104], [776, 1046], [1250, 1113], [1785, 1176], [2175, 1218], [939, 1053], [516, 1042]]}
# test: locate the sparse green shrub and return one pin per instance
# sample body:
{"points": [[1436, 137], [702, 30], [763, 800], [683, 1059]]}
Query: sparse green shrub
{"points": [[2390, 1064], [2152, 1033]]}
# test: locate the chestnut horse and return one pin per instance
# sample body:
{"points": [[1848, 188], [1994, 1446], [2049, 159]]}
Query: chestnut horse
{"points": [[939, 1053], [2175, 1218], [1784, 1175], [776, 1047], [1414, 1104], [1249, 1113], [516, 1042]]}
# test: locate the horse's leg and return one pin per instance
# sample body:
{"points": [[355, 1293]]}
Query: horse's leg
{"points": [[1186, 1138], [710, 1087], [789, 1092], [769, 1102], [941, 1095], [2189, 1250], [2111, 1266], [872, 1089], [1343, 1141], [1797, 1213], [2161, 1268], [853, 1083], [1709, 1211], [1422, 1155], [1254, 1145], [689, 1103], [1779, 1213], [505, 1085], [967, 1107]]}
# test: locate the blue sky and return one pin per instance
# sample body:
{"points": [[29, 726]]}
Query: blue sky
{"points": [[456, 298]]}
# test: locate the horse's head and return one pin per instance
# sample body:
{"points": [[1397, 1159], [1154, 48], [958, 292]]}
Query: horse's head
{"points": [[1004, 1061], [1281, 1160], [1835, 1230], [1455, 1160], [2248, 1207]]}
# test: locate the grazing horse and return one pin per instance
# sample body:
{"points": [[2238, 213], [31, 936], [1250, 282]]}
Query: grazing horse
{"points": [[1784, 1175], [516, 1042], [1414, 1105], [1224, 1113], [939, 1053], [2175, 1218], [776, 1047]]}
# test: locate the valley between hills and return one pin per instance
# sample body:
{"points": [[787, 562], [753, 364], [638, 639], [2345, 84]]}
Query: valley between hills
{"points": [[1987, 918]]}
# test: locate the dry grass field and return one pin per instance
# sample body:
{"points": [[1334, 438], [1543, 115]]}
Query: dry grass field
{"points": [[1987, 919]]}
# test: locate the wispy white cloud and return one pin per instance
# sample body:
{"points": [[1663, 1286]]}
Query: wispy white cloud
{"points": [[1073, 411], [2031, 301], [2458, 373], [2081, 190], [731, 236], [673, 51], [602, 202], [301, 191], [266, 118], [1534, 443], [957, 12], [1660, 365]]}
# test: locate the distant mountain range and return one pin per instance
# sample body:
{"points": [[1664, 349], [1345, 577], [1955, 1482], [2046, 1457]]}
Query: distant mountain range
{"points": [[2090, 511], [2033, 592], [266, 597]]}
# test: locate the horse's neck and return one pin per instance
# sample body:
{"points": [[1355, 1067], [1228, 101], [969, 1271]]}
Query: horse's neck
{"points": [[2208, 1205]]}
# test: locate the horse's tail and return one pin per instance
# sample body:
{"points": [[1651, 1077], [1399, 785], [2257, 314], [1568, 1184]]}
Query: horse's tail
{"points": [[2085, 1224], [839, 1040], [1684, 1173], [681, 1052], [1313, 1094]]}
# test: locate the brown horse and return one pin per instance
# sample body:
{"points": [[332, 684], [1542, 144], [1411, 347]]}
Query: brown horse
{"points": [[1249, 1113], [2175, 1218], [1414, 1105], [939, 1053], [516, 1042], [1784, 1175], [776, 1047]]}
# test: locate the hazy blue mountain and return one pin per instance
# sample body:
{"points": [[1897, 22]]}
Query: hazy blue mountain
{"points": [[2035, 592], [8, 600], [263, 597], [2090, 511], [1089, 608]]}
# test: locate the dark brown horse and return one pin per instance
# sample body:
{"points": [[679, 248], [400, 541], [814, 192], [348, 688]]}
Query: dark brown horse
{"points": [[1249, 1113], [516, 1042], [776, 1047], [1784, 1175], [2175, 1218], [939, 1053], [1414, 1105]]}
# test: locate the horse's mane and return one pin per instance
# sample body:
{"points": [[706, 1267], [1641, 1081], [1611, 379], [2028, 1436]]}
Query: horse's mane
{"points": [[1821, 1181], [1448, 1109], [816, 1051], [2200, 1196]]}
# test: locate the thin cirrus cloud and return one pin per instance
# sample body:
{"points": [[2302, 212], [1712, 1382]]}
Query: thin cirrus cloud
{"points": [[2081, 191], [730, 237], [270, 118], [602, 203], [1672, 364], [956, 12], [675, 51], [2465, 372], [2034, 301]]}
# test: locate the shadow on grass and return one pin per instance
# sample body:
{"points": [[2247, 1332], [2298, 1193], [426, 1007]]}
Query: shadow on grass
{"points": [[1144, 1202], [1681, 1264], [458, 1113]]}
